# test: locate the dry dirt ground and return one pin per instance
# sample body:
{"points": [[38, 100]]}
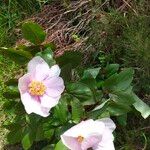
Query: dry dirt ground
{"points": [[66, 28]]}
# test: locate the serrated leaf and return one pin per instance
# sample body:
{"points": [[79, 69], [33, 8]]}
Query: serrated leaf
{"points": [[142, 107], [33, 33], [77, 110]]}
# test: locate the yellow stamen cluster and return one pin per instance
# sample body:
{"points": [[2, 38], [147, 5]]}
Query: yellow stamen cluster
{"points": [[80, 139], [36, 88]]}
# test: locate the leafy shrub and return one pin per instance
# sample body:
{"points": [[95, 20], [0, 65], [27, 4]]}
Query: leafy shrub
{"points": [[96, 92], [124, 39]]}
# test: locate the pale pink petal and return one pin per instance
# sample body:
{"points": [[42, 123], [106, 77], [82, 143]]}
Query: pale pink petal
{"points": [[49, 102], [86, 128], [41, 72], [91, 141], [32, 105], [34, 62], [71, 142], [38, 68], [45, 111], [55, 86], [108, 146], [92, 127], [108, 123], [106, 142], [23, 83], [54, 71], [96, 134], [77, 130]]}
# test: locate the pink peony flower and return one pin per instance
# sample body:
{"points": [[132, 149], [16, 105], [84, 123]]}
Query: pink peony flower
{"points": [[96, 135], [41, 87]]}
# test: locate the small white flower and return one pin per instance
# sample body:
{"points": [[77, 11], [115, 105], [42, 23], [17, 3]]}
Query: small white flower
{"points": [[41, 87], [90, 134]]}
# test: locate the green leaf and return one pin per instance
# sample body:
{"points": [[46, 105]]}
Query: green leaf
{"points": [[91, 73], [110, 83], [39, 133], [60, 146], [142, 107], [33, 49], [119, 82], [47, 55], [111, 69], [125, 78], [61, 129], [33, 33], [48, 147], [61, 111], [91, 82], [12, 127], [27, 141], [11, 82], [48, 134], [82, 92], [122, 119], [77, 110], [116, 109], [98, 111], [15, 136], [11, 95], [9, 106], [70, 57], [66, 72], [19, 56], [124, 98], [12, 92], [51, 45]]}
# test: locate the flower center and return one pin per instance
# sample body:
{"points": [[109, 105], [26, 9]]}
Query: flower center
{"points": [[80, 139], [36, 88]]}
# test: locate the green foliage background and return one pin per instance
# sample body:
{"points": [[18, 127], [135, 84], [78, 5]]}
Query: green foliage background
{"points": [[125, 40]]}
